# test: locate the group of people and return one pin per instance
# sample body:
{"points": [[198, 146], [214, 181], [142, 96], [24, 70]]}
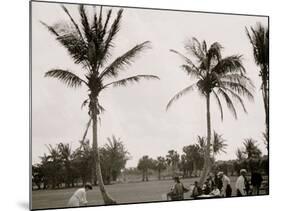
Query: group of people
{"points": [[218, 185]]}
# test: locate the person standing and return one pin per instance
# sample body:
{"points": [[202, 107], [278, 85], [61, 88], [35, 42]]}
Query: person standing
{"points": [[256, 181], [79, 197], [240, 183], [226, 190]]}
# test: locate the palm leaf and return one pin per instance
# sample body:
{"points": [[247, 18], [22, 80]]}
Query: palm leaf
{"points": [[228, 101], [133, 79], [67, 77], [179, 94], [85, 23], [72, 21], [50, 28], [237, 97], [239, 88], [219, 103], [125, 60], [230, 64]]}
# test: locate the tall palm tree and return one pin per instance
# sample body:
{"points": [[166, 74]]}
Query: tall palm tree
{"points": [[259, 38], [89, 44], [216, 76]]}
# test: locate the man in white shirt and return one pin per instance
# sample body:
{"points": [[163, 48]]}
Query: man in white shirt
{"points": [[79, 198], [240, 183], [226, 188]]}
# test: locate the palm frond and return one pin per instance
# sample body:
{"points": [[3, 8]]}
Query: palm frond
{"points": [[230, 64], [133, 79], [50, 28], [72, 21], [85, 23], [189, 67], [108, 15], [67, 77], [75, 46], [125, 60], [238, 78], [239, 88], [180, 94], [236, 97], [108, 43], [219, 103], [228, 101], [194, 47]]}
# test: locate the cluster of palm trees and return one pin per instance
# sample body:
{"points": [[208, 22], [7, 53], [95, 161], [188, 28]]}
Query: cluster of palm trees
{"points": [[63, 167], [189, 162], [90, 42]]}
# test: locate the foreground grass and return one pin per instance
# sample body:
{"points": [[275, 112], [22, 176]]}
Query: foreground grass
{"points": [[124, 193]]}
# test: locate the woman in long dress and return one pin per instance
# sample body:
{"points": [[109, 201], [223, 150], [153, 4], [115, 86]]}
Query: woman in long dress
{"points": [[79, 198]]}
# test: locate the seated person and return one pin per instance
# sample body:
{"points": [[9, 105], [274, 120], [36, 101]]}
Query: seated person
{"points": [[215, 192], [206, 188], [197, 191], [178, 190]]}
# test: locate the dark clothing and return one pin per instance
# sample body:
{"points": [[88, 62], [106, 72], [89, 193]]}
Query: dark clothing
{"points": [[228, 191], [207, 189], [256, 181], [247, 185], [238, 193], [218, 182], [197, 191]]}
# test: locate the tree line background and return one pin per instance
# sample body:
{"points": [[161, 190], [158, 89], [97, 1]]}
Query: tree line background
{"points": [[63, 167]]}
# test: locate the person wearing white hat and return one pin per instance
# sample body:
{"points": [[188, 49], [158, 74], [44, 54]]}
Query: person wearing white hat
{"points": [[79, 197], [240, 183]]}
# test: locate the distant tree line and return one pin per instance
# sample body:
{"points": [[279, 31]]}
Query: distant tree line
{"points": [[62, 167], [190, 163]]}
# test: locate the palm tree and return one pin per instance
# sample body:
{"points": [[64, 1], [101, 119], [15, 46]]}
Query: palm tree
{"points": [[89, 44], [251, 148], [259, 38], [218, 77], [172, 159], [160, 164], [218, 144], [66, 154], [240, 155], [192, 154], [144, 164], [117, 156]]}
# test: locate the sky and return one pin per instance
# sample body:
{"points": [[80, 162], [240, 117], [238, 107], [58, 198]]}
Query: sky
{"points": [[137, 113]]}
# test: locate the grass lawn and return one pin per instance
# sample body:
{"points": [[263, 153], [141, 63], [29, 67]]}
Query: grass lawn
{"points": [[123, 193]]}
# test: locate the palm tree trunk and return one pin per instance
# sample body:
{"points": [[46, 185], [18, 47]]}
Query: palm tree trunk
{"points": [[106, 197], [159, 174], [265, 100], [207, 160]]}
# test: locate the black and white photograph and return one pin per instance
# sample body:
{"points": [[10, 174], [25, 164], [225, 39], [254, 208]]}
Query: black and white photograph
{"points": [[135, 105]]}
